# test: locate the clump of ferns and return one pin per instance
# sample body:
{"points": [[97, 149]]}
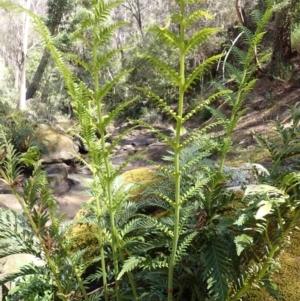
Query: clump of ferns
{"points": [[283, 148], [37, 230], [242, 74], [95, 31]]}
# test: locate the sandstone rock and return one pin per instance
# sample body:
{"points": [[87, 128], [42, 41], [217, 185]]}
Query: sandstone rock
{"points": [[9, 201], [61, 147], [57, 175], [12, 264]]}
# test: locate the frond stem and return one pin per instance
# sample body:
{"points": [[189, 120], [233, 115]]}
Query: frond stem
{"points": [[50, 262], [99, 111], [176, 148]]}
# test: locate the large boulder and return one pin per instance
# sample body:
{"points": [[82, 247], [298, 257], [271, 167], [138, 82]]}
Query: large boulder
{"points": [[61, 147]]}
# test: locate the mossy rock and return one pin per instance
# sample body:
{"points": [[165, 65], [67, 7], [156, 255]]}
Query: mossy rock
{"points": [[83, 235], [287, 278]]}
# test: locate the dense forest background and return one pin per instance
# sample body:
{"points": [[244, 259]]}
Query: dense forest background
{"points": [[30, 80]]}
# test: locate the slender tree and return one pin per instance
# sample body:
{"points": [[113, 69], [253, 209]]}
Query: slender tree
{"points": [[22, 95], [56, 11]]}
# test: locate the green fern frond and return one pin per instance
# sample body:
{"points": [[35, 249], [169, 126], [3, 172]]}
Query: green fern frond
{"points": [[253, 48], [166, 71], [33, 187], [248, 87], [130, 264], [272, 148], [11, 169], [184, 245], [114, 113], [109, 85], [218, 114], [234, 72], [166, 36], [205, 103], [194, 190], [200, 70], [24, 270], [195, 16], [217, 269], [247, 36], [135, 225], [159, 262], [238, 54], [162, 103], [78, 61], [161, 226], [197, 133], [199, 38]]}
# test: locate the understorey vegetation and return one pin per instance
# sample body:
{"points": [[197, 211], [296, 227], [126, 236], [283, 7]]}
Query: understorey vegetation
{"points": [[183, 236]]}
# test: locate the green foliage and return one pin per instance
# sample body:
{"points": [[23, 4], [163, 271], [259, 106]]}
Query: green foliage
{"points": [[285, 145], [19, 128], [37, 231], [188, 238], [295, 38]]}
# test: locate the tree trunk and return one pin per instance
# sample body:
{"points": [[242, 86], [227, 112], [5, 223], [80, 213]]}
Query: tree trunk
{"points": [[282, 47], [55, 14], [38, 75], [22, 95]]}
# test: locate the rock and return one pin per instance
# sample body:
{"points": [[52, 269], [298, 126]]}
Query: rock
{"points": [[83, 234], [61, 147], [57, 175], [9, 201], [246, 174], [12, 264]]}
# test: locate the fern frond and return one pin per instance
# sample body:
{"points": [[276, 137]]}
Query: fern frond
{"points": [[199, 38], [77, 60], [200, 70], [162, 103], [166, 36], [125, 163], [205, 103], [130, 264], [114, 113], [218, 114], [247, 36], [161, 226], [25, 270], [166, 71], [197, 133], [238, 54], [184, 245], [195, 16], [194, 190], [109, 85], [249, 86], [217, 268], [234, 72]]}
